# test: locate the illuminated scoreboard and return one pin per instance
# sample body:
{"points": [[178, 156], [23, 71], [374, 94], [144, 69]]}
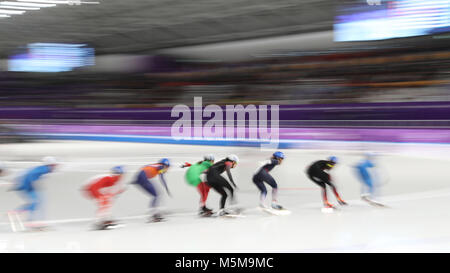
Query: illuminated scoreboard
{"points": [[52, 57], [360, 21]]}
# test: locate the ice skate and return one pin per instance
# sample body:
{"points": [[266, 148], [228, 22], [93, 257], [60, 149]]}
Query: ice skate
{"points": [[205, 212], [223, 212], [263, 207], [36, 227], [365, 198], [377, 204], [371, 202], [277, 206], [155, 218], [204, 209], [226, 213], [328, 208], [113, 225], [101, 225], [107, 225], [342, 202], [276, 209], [328, 205], [40, 228]]}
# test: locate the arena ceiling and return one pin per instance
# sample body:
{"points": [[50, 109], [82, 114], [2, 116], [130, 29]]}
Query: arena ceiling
{"points": [[143, 26]]}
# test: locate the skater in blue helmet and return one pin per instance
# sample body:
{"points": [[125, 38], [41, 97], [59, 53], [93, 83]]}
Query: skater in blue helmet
{"points": [[363, 172], [262, 176], [318, 173], [145, 180]]}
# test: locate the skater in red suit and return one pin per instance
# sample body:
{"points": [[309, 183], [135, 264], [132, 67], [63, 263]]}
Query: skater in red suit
{"points": [[103, 188]]}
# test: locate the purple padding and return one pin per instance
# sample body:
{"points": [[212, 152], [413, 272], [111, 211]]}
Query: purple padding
{"points": [[340, 134], [331, 112]]}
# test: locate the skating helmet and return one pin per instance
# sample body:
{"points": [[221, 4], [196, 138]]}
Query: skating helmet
{"points": [[209, 157], [49, 160], [333, 159], [233, 158], [117, 170], [278, 155], [165, 161]]}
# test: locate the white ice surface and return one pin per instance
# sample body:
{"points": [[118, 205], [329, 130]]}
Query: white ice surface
{"points": [[416, 188]]}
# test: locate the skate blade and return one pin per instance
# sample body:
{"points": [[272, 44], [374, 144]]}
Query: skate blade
{"points": [[206, 215], [276, 211], [378, 205], [156, 221], [114, 227], [36, 229], [233, 216], [328, 210], [375, 204]]}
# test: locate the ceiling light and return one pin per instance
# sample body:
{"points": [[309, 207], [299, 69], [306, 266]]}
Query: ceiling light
{"points": [[5, 11], [21, 8], [46, 1], [36, 5], [65, 2]]}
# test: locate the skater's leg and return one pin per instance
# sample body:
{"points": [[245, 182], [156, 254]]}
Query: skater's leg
{"points": [[370, 195], [219, 189], [206, 189], [148, 186], [32, 206], [367, 187], [104, 208], [338, 197], [218, 183], [269, 180], [370, 186], [154, 203], [262, 189], [324, 197], [230, 190], [318, 179], [203, 189], [223, 198]]}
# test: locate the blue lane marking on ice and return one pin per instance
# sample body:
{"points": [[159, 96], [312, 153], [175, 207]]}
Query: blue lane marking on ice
{"points": [[282, 144], [161, 140]]}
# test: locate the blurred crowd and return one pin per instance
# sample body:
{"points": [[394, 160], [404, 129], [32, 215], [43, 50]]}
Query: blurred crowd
{"points": [[396, 75]]}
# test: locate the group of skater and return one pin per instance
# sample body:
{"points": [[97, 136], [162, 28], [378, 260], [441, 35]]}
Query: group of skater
{"points": [[204, 175]]}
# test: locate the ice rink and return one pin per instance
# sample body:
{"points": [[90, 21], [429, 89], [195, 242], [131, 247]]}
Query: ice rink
{"points": [[415, 187]]}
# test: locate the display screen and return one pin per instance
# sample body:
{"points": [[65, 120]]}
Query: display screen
{"points": [[48, 57], [366, 20]]}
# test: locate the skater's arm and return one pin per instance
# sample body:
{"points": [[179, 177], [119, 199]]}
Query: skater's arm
{"points": [[186, 164], [120, 188], [228, 168], [163, 181]]}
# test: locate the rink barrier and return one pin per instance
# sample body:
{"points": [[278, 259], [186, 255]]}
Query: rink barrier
{"points": [[286, 136]]}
